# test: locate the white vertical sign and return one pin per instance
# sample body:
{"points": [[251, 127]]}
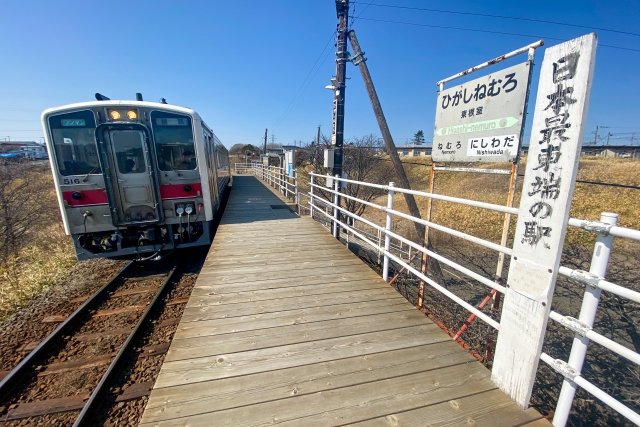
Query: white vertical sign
{"points": [[552, 164]]}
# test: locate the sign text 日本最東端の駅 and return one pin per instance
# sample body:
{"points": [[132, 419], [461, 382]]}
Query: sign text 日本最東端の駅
{"points": [[481, 120]]}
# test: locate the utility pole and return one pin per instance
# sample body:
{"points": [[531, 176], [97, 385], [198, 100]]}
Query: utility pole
{"points": [[608, 135], [318, 136], [360, 61], [595, 139], [265, 142], [342, 10], [337, 135]]}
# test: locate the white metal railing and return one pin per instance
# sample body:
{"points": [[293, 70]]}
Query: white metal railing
{"points": [[277, 178], [594, 283], [388, 235], [242, 167], [594, 280]]}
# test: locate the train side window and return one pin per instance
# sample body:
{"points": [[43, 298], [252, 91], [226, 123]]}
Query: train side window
{"points": [[74, 143], [173, 136]]}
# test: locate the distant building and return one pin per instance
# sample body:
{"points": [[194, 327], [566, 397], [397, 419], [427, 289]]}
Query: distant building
{"points": [[35, 152], [14, 146], [620, 151], [413, 151]]}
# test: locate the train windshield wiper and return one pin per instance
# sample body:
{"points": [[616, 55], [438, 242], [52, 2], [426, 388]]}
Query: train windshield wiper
{"points": [[90, 172]]}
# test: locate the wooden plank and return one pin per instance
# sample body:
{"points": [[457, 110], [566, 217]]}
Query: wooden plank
{"points": [[120, 310], [3, 374], [285, 304], [44, 407], [214, 298], [290, 317], [300, 266], [54, 318], [249, 362], [243, 277], [79, 299], [210, 396], [154, 350], [291, 258], [169, 322], [30, 346], [73, 365], [488, 409], [210, 345], [134, 291], [90, 337], [353, 403], [543, 214], [178, 301], [135, 391], [338, 279]]}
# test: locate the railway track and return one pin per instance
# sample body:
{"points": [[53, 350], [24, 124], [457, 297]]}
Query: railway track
{"points": [[85, 369]]}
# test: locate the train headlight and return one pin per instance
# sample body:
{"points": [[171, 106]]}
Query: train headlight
{"points": [[131, 115], [115, 115]]}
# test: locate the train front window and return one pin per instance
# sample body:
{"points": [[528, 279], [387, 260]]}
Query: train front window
{"points": [[128, 149], [74, 143], [174, 141]]}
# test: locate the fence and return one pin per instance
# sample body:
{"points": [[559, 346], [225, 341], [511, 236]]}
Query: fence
{"points": [[593, 280]]}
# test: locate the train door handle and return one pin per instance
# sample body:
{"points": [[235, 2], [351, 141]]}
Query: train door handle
{"points": [[122, 180]]}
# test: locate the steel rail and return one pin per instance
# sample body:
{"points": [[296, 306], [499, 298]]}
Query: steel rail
{"points": [[467, 202], [101, 388], [53, 338]]}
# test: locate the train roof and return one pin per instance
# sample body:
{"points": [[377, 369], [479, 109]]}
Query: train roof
{"points": [[119, 103]]}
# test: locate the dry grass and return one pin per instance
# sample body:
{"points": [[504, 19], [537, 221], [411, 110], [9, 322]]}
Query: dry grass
{"points": [[588, 202], [45, 254]]}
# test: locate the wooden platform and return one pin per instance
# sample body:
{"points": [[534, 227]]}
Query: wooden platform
{"points": [[286, 327]]}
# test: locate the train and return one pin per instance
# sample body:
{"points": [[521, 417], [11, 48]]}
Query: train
{"points": [[135, 179]]}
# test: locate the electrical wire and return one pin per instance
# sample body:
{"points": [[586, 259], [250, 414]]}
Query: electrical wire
{"points": [[486, 15], [415, 24], [295, 97]]}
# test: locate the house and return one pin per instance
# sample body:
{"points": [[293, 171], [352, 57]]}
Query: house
{"points": [[413, 151], [620, 151]]}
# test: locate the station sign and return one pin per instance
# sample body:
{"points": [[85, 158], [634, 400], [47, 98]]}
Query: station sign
{"points": [[481, 120]]}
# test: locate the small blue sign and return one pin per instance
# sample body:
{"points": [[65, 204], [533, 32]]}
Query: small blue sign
{"points": [[73, 122]]}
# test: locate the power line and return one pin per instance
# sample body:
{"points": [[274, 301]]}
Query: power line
{"points": [[487, 31], [292, 103], [503, 17]]}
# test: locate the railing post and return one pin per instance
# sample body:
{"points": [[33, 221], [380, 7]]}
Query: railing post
{"points": [[387, 238], [311, 197], [599, 264], [336, 211], [297, 195]]}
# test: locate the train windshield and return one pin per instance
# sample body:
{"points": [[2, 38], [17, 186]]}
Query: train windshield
{"points": [[173, 137], [74, 143]]}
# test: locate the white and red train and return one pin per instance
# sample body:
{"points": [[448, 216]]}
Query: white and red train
{"points": [[135, 178]]}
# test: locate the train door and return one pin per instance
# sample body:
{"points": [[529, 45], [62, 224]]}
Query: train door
{"points": [[133, 195]]}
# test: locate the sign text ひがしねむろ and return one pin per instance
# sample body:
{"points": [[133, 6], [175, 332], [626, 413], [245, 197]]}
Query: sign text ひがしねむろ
{"points": [[487, 110]]}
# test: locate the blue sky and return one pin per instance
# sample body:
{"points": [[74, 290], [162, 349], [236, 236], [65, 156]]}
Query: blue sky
{"points": [[240, 64]]}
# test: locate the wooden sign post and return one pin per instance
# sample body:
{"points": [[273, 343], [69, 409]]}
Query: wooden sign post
{"points": [[552, 164]]}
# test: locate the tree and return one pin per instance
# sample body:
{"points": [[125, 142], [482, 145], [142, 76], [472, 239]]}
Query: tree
{"points": [[248, 147], [236, 149], [418, 138]]}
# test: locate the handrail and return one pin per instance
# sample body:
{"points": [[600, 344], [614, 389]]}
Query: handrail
{"points": [[594, 281], [474, 203]]}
